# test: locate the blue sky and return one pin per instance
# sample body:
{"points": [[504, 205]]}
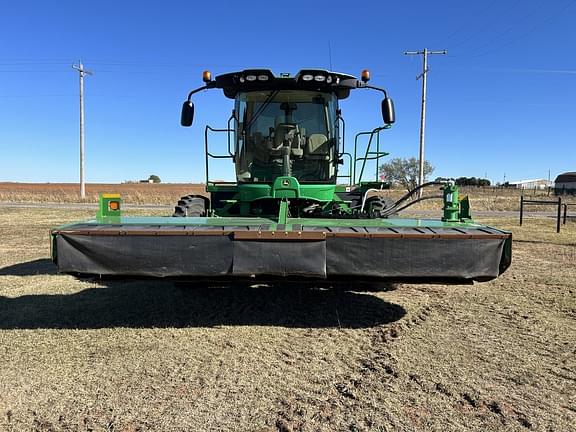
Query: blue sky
{"points": [[500, 103]]}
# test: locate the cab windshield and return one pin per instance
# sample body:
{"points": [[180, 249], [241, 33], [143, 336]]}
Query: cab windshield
{"points": [[285, 131]]}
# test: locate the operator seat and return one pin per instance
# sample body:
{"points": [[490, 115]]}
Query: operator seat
{"points": [[317, 147], [317, 157], [289, 131]]}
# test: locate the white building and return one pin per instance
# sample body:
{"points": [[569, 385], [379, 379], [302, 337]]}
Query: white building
{"points": [[531, 184]]}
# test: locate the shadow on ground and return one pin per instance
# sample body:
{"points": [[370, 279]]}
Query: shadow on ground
{"points": [[165, 303], [31, 268]]}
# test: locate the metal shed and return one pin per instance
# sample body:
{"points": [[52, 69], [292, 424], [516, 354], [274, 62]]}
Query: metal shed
{"points": [[565, 183]]}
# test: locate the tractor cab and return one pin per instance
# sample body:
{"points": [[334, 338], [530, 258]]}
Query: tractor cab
{"points": [[286, 133], [286, 139]]}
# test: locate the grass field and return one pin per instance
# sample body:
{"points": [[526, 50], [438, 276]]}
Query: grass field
{"points": [[168, 194], [140, 355], [132, 193]]}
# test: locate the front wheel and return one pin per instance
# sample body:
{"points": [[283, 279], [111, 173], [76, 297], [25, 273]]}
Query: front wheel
{"points": [[378, 207], [191, 206]]}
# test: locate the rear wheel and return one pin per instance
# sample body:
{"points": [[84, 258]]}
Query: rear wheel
{"points": [[191, 206]]}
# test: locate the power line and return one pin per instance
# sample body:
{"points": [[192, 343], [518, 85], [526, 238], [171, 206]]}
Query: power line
{"points": [[541, 21], [506, 36], [467, 23], [486, 27]]}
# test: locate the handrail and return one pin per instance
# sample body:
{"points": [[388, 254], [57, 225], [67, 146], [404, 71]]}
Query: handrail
{"points": [[355, 159], [229, 130], [365, 158], [214, 156], [377, 154], [349, 176], [339, 117]]}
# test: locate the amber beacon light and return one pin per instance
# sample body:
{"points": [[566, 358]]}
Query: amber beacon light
{"points": [[365, 75], [206, 76]]}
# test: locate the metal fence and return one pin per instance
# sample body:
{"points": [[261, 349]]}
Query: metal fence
{"points": [[566, 212], [557, 203]]}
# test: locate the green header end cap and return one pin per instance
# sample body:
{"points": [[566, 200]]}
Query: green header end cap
{"points": [[110, 205]]}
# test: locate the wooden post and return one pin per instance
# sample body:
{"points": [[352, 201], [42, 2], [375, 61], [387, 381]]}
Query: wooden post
{"points": [[521, 208], [559, 214]]}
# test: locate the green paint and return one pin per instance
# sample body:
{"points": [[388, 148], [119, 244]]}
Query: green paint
{"points": [[465, 208], [451, 203], [109, 206], [272, 221], [283, 213], [285, 187]]}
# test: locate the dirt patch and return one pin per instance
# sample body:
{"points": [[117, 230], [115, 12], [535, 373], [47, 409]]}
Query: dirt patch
{"points": [[139, 355]]}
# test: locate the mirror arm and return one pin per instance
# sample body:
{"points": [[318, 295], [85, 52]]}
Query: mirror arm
{"points": [[375, 88], [196, 91]]}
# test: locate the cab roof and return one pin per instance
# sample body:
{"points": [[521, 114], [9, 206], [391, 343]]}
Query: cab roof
{"points": [[306, 79]]}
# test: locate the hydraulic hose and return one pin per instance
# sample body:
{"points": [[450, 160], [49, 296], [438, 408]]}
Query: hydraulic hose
{"points": [[396, 207], [411, 203]]}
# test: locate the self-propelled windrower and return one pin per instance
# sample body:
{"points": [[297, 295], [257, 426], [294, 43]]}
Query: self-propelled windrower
{"points": [[292, 210]]}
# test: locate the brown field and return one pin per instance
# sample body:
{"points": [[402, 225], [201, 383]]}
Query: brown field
{"points": [[153, 355], [132, 193], [486, 199]]}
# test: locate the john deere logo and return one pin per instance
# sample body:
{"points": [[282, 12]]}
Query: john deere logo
{"points": [[285, 182]]}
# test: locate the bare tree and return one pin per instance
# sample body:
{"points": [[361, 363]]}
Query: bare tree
{"points": [[404, 172]]}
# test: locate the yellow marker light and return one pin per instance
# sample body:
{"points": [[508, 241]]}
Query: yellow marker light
{"points": [[114, 205], [206, 76], [365, 75]]}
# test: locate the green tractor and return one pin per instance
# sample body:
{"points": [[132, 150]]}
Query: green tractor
{"points": [[293, 211], [284, 140]]}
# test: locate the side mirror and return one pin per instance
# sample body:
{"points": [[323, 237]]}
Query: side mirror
{"points": [[388, 114], [187, 116]]}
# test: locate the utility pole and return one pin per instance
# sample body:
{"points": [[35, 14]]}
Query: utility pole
{"points": [[425, 53], [82, 71]]}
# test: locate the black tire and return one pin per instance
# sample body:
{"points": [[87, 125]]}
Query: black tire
{"points": [[191, 206], [377, 206]]}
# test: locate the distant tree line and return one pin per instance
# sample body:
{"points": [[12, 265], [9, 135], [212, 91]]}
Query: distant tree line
{"points": [[468, 181]]}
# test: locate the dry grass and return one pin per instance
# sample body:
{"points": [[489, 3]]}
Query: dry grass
{"points": [[132, 193], [485, 199], [140, 355]]}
